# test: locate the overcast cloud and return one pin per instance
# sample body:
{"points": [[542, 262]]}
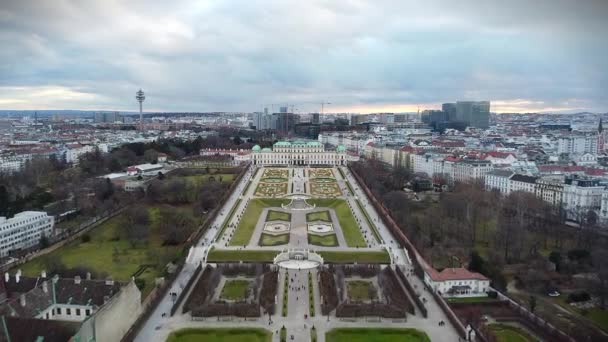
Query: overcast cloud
{"points": [[365, 56]]}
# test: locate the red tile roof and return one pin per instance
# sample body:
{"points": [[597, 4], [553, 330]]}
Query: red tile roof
{"points": [[454, 274]]}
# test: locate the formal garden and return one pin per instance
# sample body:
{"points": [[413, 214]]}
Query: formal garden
{"points": [[362, 290], [247, 225], [248, 290]]}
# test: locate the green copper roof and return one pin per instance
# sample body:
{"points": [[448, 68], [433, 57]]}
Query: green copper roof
{"points": [[255, 148], [283, 143], [341, 148], [266, 149]]}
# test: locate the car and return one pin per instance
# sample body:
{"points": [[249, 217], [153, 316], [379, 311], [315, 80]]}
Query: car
{"points": [[553, 293]]}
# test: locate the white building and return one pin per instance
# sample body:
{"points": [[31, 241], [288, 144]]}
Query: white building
{"points": [[468, 170], [298, 153], [74, 151], [578, 144], [24, 230], [144, 169], [456, 282], [498, 180], [580, 196]]}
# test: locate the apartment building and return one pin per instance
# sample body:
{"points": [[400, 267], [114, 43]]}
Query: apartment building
{"points": [[24, 230]]}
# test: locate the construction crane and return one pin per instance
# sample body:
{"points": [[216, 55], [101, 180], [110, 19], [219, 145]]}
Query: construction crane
{"points": [[323, 106]]}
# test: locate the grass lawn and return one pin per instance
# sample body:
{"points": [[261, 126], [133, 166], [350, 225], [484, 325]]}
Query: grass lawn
{"points": [[274, 215], [218, 255], [375, 335], [202, 178], [349, 226], [235, 289], [482, 299], [508, 333], [110, 252], [325, 241], [250, 218], [228, 219], [599, 317], [370, 223], [360, 290], [273, 240], [221, 335], [318, 216], [373, 257]]}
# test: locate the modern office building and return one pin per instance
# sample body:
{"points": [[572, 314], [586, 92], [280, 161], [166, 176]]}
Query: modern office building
{"points": [[24, 230], [474, 113], [450, 111]]}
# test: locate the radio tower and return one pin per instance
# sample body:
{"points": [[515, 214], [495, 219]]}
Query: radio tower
{"points": [[140, 97]]}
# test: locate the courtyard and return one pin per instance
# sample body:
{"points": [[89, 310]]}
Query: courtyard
{"points": [[221, 335]]}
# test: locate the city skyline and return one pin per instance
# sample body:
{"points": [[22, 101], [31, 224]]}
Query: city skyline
{"points": [[360, 56]]}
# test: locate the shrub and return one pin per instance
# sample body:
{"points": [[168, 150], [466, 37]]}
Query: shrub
{"points": [[580, 296], [85, 238]]}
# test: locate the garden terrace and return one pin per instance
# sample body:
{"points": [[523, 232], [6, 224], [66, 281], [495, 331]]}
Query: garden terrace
{"points": [[246, 289], [358, 298]]}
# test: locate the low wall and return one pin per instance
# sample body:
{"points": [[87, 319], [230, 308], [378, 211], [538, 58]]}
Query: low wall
{"points": [[412, 292], [186, 289]]}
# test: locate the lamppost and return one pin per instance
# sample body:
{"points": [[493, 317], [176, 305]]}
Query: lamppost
{"points": [[140, 97]]}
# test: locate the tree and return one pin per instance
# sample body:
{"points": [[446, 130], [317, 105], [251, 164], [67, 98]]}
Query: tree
{"points": [[151, 156], [44, 241], [136, 220], [532, 303], [477, 264], [4, 201]]}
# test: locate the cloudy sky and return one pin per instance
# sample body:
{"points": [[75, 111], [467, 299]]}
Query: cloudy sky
{"points": [[362, 56]]}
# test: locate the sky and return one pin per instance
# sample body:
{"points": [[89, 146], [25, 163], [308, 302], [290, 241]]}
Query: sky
{"points": [[359, 56]]}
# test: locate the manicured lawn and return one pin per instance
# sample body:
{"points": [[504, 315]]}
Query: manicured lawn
{"points": [[235, 289], [221, 335], [374, 257], [318, 216], [369, 222], [507, 333], [482, 299], [325, 241], [360, 290], [273, 240], [219, 255], [274, 215], [110, 252], [349, 226], [227, 221], [250, 218], [375, 335]]}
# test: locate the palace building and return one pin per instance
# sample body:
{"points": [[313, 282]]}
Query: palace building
{"points": [[298, 153]]}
